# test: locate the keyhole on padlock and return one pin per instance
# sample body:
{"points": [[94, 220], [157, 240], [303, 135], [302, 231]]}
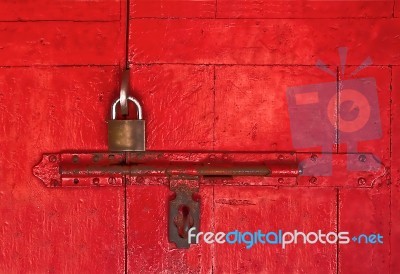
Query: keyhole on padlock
{"points": [[183, 221]]}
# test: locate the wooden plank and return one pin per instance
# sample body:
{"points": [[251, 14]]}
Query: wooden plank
{"points": [[263, 42], [251, 106], [172, 9], [147, 230], [76, 10], [365, 211], [269, 209], [45, 230], [60, 43], [304, 9], [374, 137], [178, 105], [395, 171]]}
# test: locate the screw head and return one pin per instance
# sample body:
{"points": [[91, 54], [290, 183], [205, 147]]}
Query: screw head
{"points": [[53, 158], [314, 157], [362, 181], [362, 158], [112, 181], [96, 181], [75, 158], [313, 180]]}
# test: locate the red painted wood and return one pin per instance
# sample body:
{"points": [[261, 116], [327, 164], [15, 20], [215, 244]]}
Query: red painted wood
{"points": [[365, 211], [269, 209], [178, 105], [44, 230], [252, 114], [147, 228], [395, 171], [304, 9], [172, 9], [380, 147], [54, 102], [76, 10], [396, 10], [257, 42], [60, 43]]}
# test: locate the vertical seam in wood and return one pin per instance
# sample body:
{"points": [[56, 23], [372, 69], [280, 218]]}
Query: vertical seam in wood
{"points": [[337, 109], [126, 154], [125, 219], [390, 168], [127, 34], [337, 228], [214, 114]]}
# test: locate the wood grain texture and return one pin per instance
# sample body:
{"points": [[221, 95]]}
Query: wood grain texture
{"points": [[46, 230], [379, 146], [148, 248], [395, 171], [269, 209], [263, 42], [74, 10], [365, 212], [60, 43], [178, 104], [172, 9], [251, 106], [211, 75], [304, 9]]}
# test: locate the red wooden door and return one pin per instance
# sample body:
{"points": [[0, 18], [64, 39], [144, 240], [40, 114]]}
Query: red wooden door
{"points": [[212, 76]]}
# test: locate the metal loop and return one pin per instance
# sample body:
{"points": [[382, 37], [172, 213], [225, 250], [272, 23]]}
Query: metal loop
{"points": [[133, 100], [123, 94]]}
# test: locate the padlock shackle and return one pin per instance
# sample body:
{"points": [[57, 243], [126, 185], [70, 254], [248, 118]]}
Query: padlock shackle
{"points": [[133, 100]]}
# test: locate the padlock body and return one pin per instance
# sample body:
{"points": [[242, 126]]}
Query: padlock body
{"points": [[126, 135]]}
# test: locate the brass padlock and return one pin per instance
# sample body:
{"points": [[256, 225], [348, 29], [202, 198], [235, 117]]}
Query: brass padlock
{"points": [[126, 135]]}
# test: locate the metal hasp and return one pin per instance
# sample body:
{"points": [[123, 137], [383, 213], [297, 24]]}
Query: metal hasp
{"points": [[186, 172], [183, 173]]}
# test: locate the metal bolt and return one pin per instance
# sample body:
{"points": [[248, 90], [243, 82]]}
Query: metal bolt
{"points": [[76, 181], [362, 158], [54, 182], [96, 158], [280, 157], [52, 158], [361, 181], [314, 157], [75, 158], [96, 181], [111, 157], [313, 180], [280, 180], [112, 181]]}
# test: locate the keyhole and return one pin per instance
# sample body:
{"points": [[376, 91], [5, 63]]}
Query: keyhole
{"points": [[183, 221]]}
